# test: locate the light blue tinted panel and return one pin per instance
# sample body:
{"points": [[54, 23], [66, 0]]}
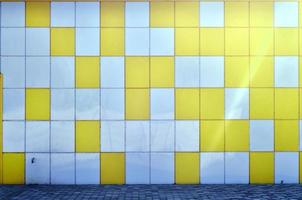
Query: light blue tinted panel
{"points": [[62, 72], [37, 41], [13, 104], [12, 14], [162, 168], [137, 41], [62, 168], [62, 136], [162, 136], [87, 14], [13, 136], [88, 174], [187, 71], [137, 14], [112, 104], [113, 136], [87, 104], [212, 71], [187, 136], [262, 135], [13, 69], [37, 136], [137, 136], [237, 103], [137, 168], [211, 14], [212, 168], [237, 167], [37, 168], [13, 41], [63, 14], [87, 41], [286, 167], [286, 71], [162, 103], [162, 41], [38, 72], [112, 72], [62, 104], [286, 14]]}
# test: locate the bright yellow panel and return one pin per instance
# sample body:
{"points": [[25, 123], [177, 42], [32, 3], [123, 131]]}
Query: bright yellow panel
{"points": [[262, 103], [286, 135], [112, 42], [112, 168], [237, 71], [186, 41], [261, 14], [236, 41], [162, 14], [137, 72], [88, 136], [37, 14], [211, 103], [112, 14], [186, 14], [13, 168], [262, 167], [212, 135], [286, 41], [62, 41], [212, 41], [286, 103], [162, 71], [187, 103], [261, 41], [236, 14], [87, 72], [37, 104], [137, 104], [261, 71], [236, 135], [187, 168]]}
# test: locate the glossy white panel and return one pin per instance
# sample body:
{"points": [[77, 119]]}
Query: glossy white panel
{"points": [[62, 72], [13, 136], [62, 136], [112, 72], [286, 167], [286, 71], [37, 168], [62, 168], [37, 41], [162, 41], [87, 14], [12, 14], [113, 136], [236, 103], [212, 168], [237, 167], [12, 41], [137, 136], [286, 14], [211, 14], [211, 71], [112, 104], [87, 104], [87, 41], [162, 103], [262, 135], [137, 168], [162, 136], [137, 14], [187, 71], [62, 104], [38, 72], [137, 41], [13, 69], [162, 168], [13, 104], [37, 136], [187, 135], [63, 14], [87, 173]]}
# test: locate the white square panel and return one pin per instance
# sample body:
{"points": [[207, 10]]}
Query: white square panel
{"points": [[162, 41], [87, 104], [37, 136], [63, 14], [38, 72], [162, 168], [211, 14], [162, 136], [62, 136], [87, 41], [262, 135], [212, 168], [286, 14], [137, 168], [162, 103], [187, 71], [13, 136], [87, 14], [13, 69], [236, 103], [62, 72], [113, 136], [87, 168], [37, 168], [62, 104], [237, 167], [12, 14], [13, 104], [187, 135], [62, 168], [211, 71], [286, 167], [286, 71], [137, 14], [137, 136], [37, 41], [112, 72], [12, 41], [137, 41], [112, 104]]}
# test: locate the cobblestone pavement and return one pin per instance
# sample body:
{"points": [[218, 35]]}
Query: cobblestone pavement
{"points": [[58, 192]]}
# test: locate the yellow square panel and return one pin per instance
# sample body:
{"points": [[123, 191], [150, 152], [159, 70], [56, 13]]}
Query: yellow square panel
{"points": [[88, 136], [300, 165], [162, 71], [237, 71], [262, 167], [112, 14], [211, 103], [187, 103], [212, 135], [13, 168], [212, 41], [187, 168], [162, 14], [261, 71], [236, 135], [286, 135], [261, 41], [186, 41], [37, 104], [186, 14], [262, 103], [286, 41], [62, 41], [137, 104], [236, 14], [112, 42], [261, 14], [87, 72], [137, 72], [286, 103], [237, 41], [37, 14], [112, 168]]}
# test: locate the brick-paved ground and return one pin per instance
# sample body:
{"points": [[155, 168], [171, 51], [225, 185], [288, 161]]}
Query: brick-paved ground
{"points": [[217, 192]]}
